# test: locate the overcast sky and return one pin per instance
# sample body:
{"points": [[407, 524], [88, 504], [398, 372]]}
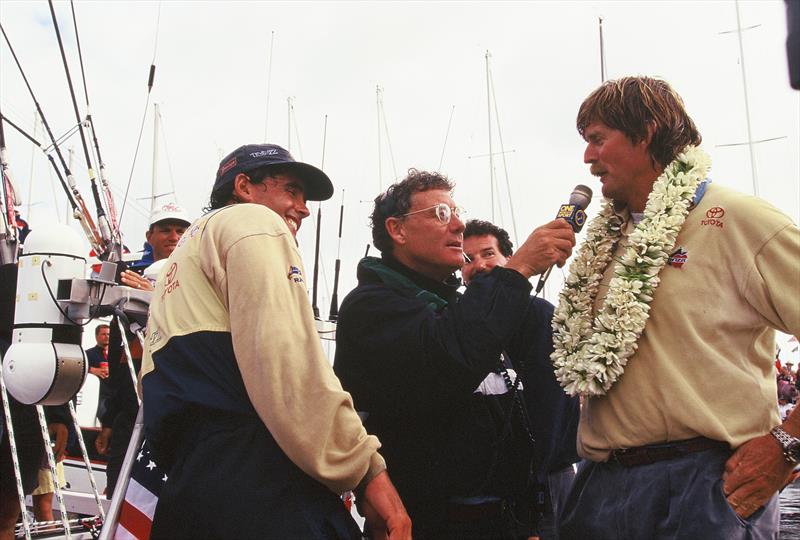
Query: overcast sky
{"points": [[211, 85]]}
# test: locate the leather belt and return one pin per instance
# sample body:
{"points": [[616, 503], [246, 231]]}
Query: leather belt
{"points": [[652, 453]]}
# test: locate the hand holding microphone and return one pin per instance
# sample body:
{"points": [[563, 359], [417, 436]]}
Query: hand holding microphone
{"points": [[547, 245], [551, 244], [574, 213]]}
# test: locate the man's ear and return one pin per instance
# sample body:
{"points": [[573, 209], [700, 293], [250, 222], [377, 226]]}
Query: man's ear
{"points": [[396, 229], [651, 130], [242, 188]]}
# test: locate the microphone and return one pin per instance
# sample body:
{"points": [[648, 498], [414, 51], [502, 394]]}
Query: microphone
{"points": [[574, 213]]}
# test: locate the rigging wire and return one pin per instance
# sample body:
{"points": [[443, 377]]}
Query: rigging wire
{"points": [[109, 200], [446, 135], [102, 220], [166, 151], [49, 157], [150, 81], [503, 155], [63, 138], [80, 212], [33, 161], [388, 139], [296, 129]]}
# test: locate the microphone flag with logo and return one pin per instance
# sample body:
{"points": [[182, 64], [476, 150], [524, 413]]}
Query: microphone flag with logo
{"points": [[574, 212]]}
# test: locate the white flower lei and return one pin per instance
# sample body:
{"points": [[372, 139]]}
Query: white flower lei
{"points": [[590, 355]]}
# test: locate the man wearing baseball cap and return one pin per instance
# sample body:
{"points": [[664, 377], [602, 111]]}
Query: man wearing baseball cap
{"points": [[167, 225], [240, 404]]}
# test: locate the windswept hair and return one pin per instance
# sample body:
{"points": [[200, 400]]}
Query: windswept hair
{"points": [[396, 201], [477, 227], [223, 195], [631, 104]]}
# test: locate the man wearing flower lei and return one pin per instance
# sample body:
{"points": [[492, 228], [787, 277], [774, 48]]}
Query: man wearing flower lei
{"points": [[666, 327]]}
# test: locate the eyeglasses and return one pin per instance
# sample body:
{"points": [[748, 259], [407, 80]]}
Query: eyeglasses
{"points": [[443, 212]]}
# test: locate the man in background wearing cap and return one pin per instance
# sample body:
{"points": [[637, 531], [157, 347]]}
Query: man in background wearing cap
{"points": [[240, 404], [167, 225]]}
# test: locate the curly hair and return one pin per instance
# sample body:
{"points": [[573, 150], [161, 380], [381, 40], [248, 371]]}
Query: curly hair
{"points": [[223, 195], [631, 104], [477, 227], [396, 201]]}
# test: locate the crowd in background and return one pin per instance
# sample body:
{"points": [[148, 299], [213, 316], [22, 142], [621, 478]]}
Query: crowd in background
{"points": [[788, 389]]}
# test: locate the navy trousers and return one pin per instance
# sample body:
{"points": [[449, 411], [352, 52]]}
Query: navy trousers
{"points": [[230, 480], [677, 498]]}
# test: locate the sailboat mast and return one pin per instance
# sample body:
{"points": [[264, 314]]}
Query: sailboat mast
{"points": [[269, 85], [154, 180], [289, 123], [378, 113], [602, 52], [491, 153], [746, 101]]}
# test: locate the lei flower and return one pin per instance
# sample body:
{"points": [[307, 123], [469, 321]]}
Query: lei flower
{"points": [[590, 354]]}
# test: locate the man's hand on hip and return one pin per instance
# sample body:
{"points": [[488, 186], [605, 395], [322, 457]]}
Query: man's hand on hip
{"points": [[754, 473]]}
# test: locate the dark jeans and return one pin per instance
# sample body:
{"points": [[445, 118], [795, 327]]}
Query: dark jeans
{"points": [[677, 498], [558, 485]]}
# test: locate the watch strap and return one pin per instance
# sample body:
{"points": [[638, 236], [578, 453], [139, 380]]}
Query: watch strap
{"points": [[790, 445]]}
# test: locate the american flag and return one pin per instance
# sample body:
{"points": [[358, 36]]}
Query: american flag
{"points": [[139, 506]]}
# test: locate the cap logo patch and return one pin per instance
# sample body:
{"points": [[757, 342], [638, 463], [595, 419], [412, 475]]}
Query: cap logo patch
{"points": [[227, 166], [678, 259], [714, 216], [262, 153]]}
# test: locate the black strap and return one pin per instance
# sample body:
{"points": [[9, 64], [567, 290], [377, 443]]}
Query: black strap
{"points": [[516, 398]]}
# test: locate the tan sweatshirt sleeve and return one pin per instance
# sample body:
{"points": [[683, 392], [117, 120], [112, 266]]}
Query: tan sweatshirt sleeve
{"points": [[774, 285], [287, 376]]}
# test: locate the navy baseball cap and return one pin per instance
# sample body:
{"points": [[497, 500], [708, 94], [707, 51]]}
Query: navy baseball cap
{"points": [[318, 186]]}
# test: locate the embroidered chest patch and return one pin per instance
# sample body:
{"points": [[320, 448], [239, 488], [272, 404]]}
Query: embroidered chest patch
{"points": [[714, 217], [678, 258]]}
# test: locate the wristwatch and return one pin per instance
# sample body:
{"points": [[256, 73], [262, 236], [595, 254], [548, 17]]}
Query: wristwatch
{"points": [[790, 445]]}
